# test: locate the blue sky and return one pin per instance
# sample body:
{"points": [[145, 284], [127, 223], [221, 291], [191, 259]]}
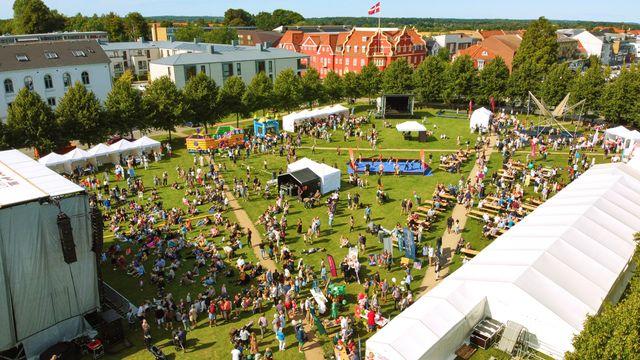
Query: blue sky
{"points": [[619, 10]]}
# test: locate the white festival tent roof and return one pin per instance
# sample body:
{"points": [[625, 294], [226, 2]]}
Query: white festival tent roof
{"points": [[100, 150], [480, 119], [555, 267], [77, 154], [289, 121], [52, 159], [145, 143], [329, 176], [409, 126], [122, 146]]}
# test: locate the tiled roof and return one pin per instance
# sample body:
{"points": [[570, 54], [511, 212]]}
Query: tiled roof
{"points": [[51, 54]]}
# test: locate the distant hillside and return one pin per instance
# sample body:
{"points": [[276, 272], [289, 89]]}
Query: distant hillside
{"points": [[178, 18]]}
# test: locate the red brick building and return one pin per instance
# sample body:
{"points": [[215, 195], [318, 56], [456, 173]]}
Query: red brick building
{"points": [[504, 46], [342, 52]]}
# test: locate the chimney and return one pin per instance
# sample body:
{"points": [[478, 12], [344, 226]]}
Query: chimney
{"points": [[259, 47], [234, 42], [195, 40], [211, 49]]}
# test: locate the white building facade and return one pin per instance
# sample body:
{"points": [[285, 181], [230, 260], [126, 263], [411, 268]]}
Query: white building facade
{"points": [[49, 68], [224, 61], [452, 42]]}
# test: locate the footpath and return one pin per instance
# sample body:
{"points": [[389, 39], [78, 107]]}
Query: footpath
{"points": [[450, 239]]}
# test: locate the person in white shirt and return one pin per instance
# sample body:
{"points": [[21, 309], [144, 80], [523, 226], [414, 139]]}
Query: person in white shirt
{"points": [[235, 354]]}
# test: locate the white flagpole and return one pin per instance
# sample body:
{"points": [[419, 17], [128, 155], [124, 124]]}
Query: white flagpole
{"points": [[379, 14]]}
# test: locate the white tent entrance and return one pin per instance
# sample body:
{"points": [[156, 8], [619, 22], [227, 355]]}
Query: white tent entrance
{"points": [[329, 176], [408, 127], [480, 120]]}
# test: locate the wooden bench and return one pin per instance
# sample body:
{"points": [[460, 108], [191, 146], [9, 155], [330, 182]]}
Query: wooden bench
{"points": [[469, 252]]}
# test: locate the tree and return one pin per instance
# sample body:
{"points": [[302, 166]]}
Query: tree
{"points": [[33, 16], [221, 35], [201, 100], [311, 87], [32, 122], [620, 98], [351, 83], [397, 78], [259, 94], [493, 80], [555, 85], [588, 86], [444, 54], [333, 87], [537, 52], [370, 80], [136, 26], [6, 137], [80, 116], [238, 17], [230, 97], [429, 79], [189, 32], [123, 107], [539, 44], [287, 89], [269, 21], [461, 79], [114, 26], [164, 105]]}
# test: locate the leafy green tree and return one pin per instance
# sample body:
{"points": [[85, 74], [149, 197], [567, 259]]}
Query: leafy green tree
{"points": [[397, 78], [230, 97], [136, 26], [269, 21], [80, 115], [33, 122], [429, 79], [334, 88], [620, 98], [370, 80], [493, 80], [221, 35], [555, 85], [6, 137], [33, 16], [123, 107], [6, 26], [238, 17], [311, 87], [461, 80], [189, 32], [164, 104], [259, 94], [264, 21], [444, 54], [524, 79], [352, 85], [588, 86], [537, 52], [539, 44], [201, 100], [114, 26], [287, 90]]}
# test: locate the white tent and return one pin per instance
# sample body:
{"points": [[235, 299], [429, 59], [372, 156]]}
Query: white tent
{"points": [[409, 126], [101, 152], [329, 176], [480, 119], [551, 270], [146, 143], [53, 161], [42, 298], [123, 147], [77, 157], [291, 120], [629, 137]]}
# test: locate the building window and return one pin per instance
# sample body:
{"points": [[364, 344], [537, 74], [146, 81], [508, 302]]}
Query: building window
{"points": [[238, 69], [22, 57], [361, 62], [85, 78], [51, 101], [203, 69], [169, 72], [78, 53], [142, 65], [28, 83], [48, 82], [227, 70], [270, 67], [189, 72], [355, 49], [484, 53], [346, 62], [66, 79], [50, 55], [8, 86], [480, 64], [148, 54], [261, 66]]}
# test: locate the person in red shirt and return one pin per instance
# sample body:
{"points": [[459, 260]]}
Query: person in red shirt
{"points": [[212, 313], [371, 320]]}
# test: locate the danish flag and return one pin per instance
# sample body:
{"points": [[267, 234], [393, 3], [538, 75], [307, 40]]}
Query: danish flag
{"points": [[375, 8]]}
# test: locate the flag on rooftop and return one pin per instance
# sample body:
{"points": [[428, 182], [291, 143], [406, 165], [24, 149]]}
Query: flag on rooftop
{"points": [[375, 8]]}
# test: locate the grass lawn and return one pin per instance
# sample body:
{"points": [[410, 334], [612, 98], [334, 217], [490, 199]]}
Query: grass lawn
{"points": [[214, 342]]}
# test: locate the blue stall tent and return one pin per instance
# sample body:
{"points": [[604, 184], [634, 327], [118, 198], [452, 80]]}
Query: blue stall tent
{"points": [[262, 126]]}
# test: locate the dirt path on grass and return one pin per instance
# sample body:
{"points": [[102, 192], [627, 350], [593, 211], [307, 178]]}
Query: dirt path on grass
{"points": [[450, 239], [312, 348]]}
